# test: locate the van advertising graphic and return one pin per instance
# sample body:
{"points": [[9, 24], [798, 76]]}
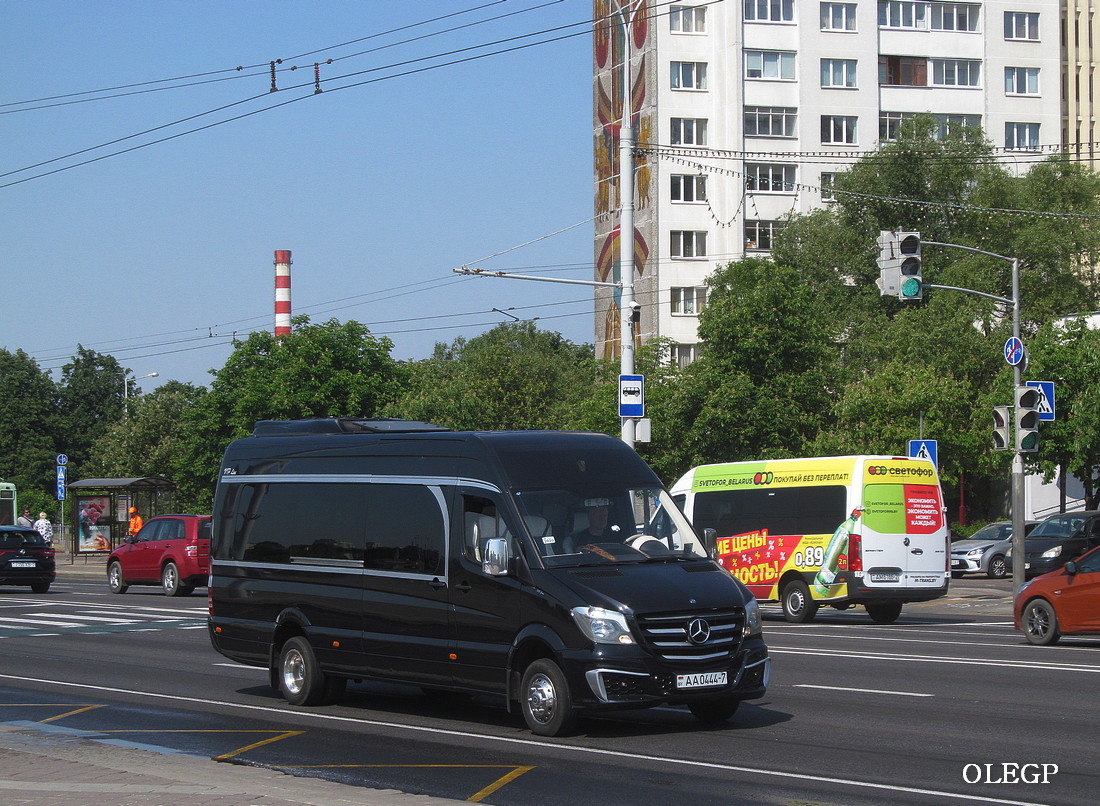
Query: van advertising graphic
{"points": [[811, 517]]}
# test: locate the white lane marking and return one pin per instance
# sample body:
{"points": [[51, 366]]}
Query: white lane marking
{"points": [[864, 690], [83, 617], [1058, 667], [539, 744], [22, 622]]}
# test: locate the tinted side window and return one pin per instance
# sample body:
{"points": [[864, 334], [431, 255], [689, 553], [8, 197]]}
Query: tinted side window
{"points": [[150, 531], [389, 527], [405, 529], [172, 529], [781, 511]]}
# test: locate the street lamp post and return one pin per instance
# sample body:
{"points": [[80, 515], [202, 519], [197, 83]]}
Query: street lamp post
{"points": [[126, 389]]}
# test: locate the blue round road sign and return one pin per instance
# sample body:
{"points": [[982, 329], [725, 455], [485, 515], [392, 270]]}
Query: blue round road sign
{"points": [[1014, 351]]}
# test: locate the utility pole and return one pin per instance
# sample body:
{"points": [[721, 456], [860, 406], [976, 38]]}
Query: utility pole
{"points": [[627, 304], [1018, 502], [626, 226]]}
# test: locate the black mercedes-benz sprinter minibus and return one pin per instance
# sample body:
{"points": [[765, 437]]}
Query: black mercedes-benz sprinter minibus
{"points": [[549, 568]]}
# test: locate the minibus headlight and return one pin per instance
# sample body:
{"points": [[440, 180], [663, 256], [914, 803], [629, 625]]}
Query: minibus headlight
{"points": [[603, 626], [752, 618]]}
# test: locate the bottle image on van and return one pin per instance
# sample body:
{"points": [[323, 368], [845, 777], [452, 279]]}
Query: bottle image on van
{"points": [[775, 524], [549, 569]]}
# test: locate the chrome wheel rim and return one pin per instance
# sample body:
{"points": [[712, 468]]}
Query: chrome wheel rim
{"points": [[169, 578], [114, 577], [294, 672], [541, 699]]}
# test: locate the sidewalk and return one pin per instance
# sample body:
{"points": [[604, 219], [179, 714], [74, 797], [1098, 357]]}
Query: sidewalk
{"points": [[41, 765]]}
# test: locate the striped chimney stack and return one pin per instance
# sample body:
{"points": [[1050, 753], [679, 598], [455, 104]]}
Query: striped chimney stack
{"points": [[282, 293]]}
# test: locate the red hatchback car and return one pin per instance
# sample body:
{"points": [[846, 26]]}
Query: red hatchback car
{"points": [[1063, 602], [172, 551]]}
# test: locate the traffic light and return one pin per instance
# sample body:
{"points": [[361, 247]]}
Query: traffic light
{"points": [[889, 265], [1027, 419], [899, 265], [912, 278], [1002, 422]]}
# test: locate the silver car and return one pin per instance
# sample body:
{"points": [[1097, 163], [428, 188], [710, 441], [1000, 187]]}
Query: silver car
{"points": [[984, 551]]}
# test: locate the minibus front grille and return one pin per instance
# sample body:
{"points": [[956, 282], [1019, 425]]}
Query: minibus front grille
{"points": [[694, 635]]}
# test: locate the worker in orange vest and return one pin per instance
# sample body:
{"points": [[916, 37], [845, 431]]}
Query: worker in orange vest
{"points": [[135, 521]]}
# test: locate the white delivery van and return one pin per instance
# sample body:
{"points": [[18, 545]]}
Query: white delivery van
{"points": [[833, 530]]}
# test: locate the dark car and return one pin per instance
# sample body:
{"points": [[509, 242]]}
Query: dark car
{"points": [[1063, 602], [172, 551], [1058, 539], [26, 558], [984, 552]]}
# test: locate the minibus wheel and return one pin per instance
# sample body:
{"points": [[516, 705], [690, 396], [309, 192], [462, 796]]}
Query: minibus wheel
{"points": [[300, 679], [798, 606], [545, 699]]}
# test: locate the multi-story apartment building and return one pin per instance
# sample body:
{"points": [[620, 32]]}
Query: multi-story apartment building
{"points": [[744, 110]]}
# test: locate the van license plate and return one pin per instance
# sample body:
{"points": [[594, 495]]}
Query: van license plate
{"points": [[888, 577], [701, 680], [23, 564]]}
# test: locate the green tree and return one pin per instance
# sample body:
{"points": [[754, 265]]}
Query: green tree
{"points": [[320, 370], [1068, 353], [90, 400], [28, 410], [515, 376], [148, 441], [763, 385]]}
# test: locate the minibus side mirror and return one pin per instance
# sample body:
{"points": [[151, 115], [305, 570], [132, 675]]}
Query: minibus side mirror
{"points": [[710, 543], [497, 557]]}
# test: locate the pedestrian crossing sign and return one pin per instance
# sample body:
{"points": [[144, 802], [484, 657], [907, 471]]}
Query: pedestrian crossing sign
{"points": [[927, 449]]}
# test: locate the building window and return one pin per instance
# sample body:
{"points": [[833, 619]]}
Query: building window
{"points": [[689, 301], [838, 16], [769, 64], [828, 186], [687, 19], [770, 121], [838, 73], [1022, 25], [689, 188], [902, 14], [1022, 135], [956, 72], [688, 244], [903, 71], [946, 124], [769, 10], [760, 235], [955, 16], [770, 177], [684, 354], [889, 123], [838, 130], [689, 131], [1021, 81], [689, 75]]}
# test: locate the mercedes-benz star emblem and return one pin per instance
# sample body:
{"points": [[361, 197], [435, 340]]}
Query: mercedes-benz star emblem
{"points": [[698, 631]]}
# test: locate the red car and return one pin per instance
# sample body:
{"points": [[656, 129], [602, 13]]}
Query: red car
{"points": [[172, 551], [1063, 602]]}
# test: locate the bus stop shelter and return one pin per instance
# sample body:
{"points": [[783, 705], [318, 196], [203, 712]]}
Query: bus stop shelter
{"points": [[101, 509]]}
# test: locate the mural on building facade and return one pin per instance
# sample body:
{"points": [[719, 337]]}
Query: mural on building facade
{"points": [[608, 50]]}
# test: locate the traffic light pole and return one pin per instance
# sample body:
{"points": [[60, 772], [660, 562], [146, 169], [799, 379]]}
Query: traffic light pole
{"points": [[1017, 456]]}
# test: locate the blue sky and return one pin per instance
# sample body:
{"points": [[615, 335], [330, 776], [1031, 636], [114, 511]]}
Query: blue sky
{"points": [[158, 256]]}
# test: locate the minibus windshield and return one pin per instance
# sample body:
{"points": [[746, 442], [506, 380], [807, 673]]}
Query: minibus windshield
{"points": [[601, 525]]}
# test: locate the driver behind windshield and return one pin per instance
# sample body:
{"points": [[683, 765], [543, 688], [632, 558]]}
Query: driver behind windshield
{"points": [[598, 511]]}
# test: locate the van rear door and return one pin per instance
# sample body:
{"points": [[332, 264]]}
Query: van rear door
{"points": [[904, 535]]}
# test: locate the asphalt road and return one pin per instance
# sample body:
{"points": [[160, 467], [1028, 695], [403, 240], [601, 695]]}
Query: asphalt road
{"points": [[928, 710]]}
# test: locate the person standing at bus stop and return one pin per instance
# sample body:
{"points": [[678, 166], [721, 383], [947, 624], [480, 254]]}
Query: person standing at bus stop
{"points": [[135, 522], [44, 527], [25, 519]]}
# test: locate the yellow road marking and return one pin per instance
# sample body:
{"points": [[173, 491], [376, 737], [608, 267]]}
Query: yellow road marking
{"points": [[70, 713], [497, 784]]}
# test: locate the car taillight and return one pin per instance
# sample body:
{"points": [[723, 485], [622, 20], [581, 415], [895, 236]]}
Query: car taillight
{"points": [[855, 553], [192, 551], [49, 553]]}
